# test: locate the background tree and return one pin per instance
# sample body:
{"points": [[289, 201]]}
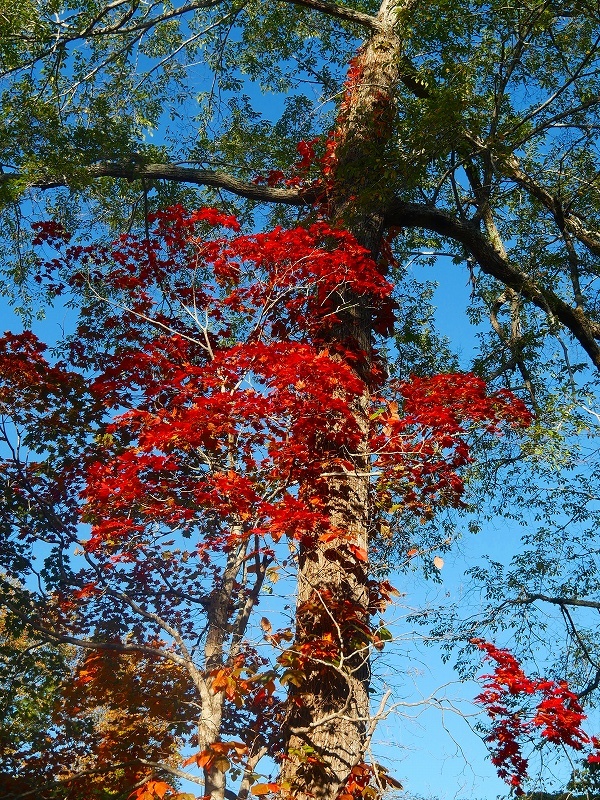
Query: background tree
{"points": [[62, 719], [469, 128]]}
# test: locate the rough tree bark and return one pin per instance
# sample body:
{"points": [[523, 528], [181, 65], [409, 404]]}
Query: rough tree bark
{"points": [[328, 713]]}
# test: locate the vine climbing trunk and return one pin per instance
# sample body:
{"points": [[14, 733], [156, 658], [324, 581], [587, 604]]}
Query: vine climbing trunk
{"points": [[327, 721]]}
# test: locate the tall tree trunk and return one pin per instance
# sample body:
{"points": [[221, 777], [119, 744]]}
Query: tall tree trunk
{"points": [[327, 715]]}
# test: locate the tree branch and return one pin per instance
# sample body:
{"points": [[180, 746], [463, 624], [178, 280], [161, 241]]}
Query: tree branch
{"points": [[511, 167], [399, 214], [159, 765], [558, 601], [491, 262], [178, 174], [117, 27], [340, 12], [50, 635]]}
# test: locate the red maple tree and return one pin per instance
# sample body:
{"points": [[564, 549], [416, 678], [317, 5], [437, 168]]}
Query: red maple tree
{"points": [[203, 425]]}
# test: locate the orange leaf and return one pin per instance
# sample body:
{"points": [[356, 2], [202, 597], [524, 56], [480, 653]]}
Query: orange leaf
{"points": [[328, 537], [159, 788], [151, 789], [265, 625], [239, 747], [202, 759], [220, 747], [261, 789], [359, 553]]}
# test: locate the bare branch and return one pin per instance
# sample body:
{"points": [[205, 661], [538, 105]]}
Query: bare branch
{"points": [[559, 601], [178, 773], [178, 174]]}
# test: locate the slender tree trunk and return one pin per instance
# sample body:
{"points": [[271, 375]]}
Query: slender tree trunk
{"points": [[211, 717], [327, 715]]}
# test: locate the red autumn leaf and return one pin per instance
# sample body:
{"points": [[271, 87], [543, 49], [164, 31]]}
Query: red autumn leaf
{"points": [[358, 552]]}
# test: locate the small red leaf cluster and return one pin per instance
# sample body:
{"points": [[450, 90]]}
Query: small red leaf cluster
{"points": [[368, 781], [308, 157], [554, 714], [422, 444]]}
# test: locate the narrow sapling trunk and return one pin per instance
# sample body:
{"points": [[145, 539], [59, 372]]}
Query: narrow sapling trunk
{"points": [[216, 655], [328, 714]]}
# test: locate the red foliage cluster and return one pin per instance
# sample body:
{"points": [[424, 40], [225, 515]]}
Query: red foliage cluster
{"points": [[423, 442], [196, 393], [556, 715], [318, 188], [27, 380], [231, 399], [308, 157], [321, 187]]}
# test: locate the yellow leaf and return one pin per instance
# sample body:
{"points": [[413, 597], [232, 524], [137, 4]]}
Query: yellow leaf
{"points": [[273, 574]]}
